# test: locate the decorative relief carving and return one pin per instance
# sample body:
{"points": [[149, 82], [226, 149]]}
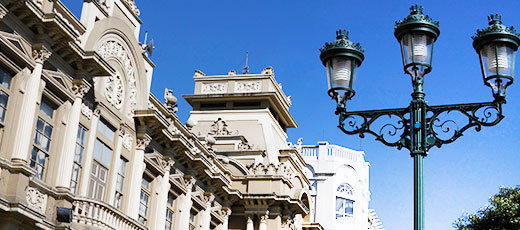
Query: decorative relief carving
{"points": [[133, 6], [86, 111], [142, 142], [36, 199], [40, 55], [248, 86], [245, 146], [217, 87], [282, 169], [79, 88], [299, 145], [127, 139], [220, 128], [114, 91], [113, 49]]}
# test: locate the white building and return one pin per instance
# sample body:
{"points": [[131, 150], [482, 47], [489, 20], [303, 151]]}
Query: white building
{"points": [[339, 187]]}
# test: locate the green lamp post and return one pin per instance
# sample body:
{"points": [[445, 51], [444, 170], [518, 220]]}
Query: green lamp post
{"points": [[419, 127]]}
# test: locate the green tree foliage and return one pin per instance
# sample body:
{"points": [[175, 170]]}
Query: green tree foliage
{"points": [[503, 213]]}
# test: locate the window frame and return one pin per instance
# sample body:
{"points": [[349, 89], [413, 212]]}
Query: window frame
{"points": [[170, 211], [47, 121], [148, 193], [7, 91], [118, 196], [345, 194], [78, 163]]}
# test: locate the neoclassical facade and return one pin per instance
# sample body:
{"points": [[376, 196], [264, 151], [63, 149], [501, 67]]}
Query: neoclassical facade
{"points": [[339, 187], [85, 145]]}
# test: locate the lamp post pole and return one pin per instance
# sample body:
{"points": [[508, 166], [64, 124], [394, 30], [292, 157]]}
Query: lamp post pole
{"points": [[420, 127]]}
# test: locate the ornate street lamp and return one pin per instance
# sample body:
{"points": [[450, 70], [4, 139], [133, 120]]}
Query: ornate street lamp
{"points": [[419, 127]]}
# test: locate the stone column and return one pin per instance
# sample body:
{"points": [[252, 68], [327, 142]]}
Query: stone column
{"points": [[263, 221], [225, 212], [66, 159], [298, 222], [137, 167], [250, 224], [89, 154], [24, 128], [159, 221], [183, 206], [205, 217], [118, 144]]}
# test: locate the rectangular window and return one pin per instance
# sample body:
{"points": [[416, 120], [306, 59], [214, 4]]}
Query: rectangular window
{"points": [[119, 182], [98, 181], [107, 130], [102, 153], [344, 207], [42, 139], [5, 81], [145, 196], [78, 158], [169, 212]]}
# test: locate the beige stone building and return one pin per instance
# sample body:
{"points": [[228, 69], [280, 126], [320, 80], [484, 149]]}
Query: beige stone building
{"points": [[85, 145]]}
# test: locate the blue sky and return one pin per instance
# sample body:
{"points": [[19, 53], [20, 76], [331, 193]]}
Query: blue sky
{"points": [[213, 36]]}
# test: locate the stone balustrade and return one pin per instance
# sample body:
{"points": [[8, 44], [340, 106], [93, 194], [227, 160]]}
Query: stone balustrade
{"points": [[99, 214]]}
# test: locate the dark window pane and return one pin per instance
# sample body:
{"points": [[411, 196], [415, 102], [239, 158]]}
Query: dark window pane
{"points": [[46, 108], [5, 78]]}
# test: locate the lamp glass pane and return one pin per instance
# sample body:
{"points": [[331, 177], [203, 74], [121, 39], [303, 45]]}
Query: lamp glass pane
{"points": [[341, 73], [497, 62]]}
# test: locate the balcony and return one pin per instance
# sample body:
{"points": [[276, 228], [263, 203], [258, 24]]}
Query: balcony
{"points": [[99, 214]]}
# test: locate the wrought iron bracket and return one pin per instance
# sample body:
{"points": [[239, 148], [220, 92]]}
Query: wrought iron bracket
{"points": [[437, 131]]}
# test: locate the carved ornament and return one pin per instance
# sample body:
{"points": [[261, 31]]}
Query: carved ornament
{"points": [[36, 199], [40, 55], [248, 86], [79, 88], [216, 87], [113, 49], [220, 128], [86, 111]]}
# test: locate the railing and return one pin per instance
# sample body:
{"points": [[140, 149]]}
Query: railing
{"points": [[332, 151], [102, 215]]}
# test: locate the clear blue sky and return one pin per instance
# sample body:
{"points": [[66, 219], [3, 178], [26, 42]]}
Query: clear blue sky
{"points": [[213, 36]]}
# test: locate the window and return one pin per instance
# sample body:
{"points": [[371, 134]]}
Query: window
{"points": [[78, 158], [101, 163], [169, 212], [5, 83], [106, 130], [145, 196], [42, 139], [192, 220], [119, 182], [98, 175], [344, 202]]}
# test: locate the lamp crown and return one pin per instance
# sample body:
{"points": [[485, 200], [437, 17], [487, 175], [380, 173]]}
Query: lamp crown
{"points": [[416, 9], [342, 34], [495, 19]]}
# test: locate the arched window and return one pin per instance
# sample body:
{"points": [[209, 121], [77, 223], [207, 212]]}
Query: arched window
{"points": [[344, 202]]}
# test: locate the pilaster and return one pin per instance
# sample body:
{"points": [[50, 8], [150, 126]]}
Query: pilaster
{"points": [[183, 208], [159, 221], [136, 175], [121, 132], [89, 154], [205, 220], [66, 158], [24, 128]]}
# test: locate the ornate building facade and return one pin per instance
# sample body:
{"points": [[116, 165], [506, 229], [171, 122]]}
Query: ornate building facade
{"points": [[339, 187], [85, 145]]}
